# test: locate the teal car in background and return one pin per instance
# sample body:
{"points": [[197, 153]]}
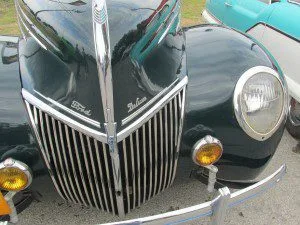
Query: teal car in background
{"points": [[274, 23]]}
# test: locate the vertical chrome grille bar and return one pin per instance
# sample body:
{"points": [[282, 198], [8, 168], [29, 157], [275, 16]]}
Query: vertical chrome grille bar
{"points": [[126, 173], [44, 136], [108, 178], [171, 142], [133, 170], [138, 166], [54, 158], [88, 172], [35, 116], [150, 158], [182, 107], [62, 170], [161, 150], [83, 201], [80, 167], [166, 147], [101, 174], [144, 163], [66, 162], [38, 138], [176, 142], [96, 180], [176, 120], [155, 154]]}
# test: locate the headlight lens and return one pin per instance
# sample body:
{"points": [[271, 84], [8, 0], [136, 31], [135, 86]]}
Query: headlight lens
{"points": [[260, 102]]}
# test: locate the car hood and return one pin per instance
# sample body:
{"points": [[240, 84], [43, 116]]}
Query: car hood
{"points": [[64, 31]]}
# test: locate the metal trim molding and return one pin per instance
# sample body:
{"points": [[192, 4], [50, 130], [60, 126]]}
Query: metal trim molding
{"points": [[136, 113], [216, 208], [58, 115], [78, 115], [154, 109]]}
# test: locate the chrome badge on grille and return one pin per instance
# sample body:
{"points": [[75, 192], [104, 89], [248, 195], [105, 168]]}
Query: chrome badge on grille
{"points": [[81, 108], [131, 106]]}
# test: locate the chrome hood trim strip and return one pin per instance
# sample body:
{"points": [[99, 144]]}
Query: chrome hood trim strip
{"points": [[60, 116], [78, 115], [103, 57], [148, 104], [154, 109]]}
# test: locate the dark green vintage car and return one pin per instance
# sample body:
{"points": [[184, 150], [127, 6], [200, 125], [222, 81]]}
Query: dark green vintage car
{"points": [[104, 98]]}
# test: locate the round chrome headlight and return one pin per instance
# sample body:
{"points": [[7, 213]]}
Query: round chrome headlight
{"points": [[260, 102]]}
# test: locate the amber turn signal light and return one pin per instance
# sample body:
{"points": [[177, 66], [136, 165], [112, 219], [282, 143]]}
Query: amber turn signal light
{"points": [[207, 151], [14, 175]]}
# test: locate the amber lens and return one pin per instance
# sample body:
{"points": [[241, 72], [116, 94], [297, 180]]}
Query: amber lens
{"points": [[208, 154], [12, 179]]}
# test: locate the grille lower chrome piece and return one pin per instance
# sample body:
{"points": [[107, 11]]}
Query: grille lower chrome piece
{"points": [[81, 166]]}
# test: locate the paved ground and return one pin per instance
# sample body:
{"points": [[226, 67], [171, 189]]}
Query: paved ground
{"points": [[280, 205]]}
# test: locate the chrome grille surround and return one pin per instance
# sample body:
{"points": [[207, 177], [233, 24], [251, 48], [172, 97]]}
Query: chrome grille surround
{"points": [[80, 162]]}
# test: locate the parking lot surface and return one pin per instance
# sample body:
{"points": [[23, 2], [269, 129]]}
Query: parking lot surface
{"points": [[280, 205]]}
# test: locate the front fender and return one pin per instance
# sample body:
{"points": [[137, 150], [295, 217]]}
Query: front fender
{"points": [[16, 140], [216, 58]]}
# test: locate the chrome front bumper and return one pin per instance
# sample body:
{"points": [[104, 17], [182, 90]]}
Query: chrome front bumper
{"points": [[216, 208]]}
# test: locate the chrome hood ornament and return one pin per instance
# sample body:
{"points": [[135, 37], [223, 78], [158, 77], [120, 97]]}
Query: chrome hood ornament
{"points": [[100, 12], [103, 56]]}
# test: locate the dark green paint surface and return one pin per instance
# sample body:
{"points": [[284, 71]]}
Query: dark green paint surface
{"points": [[214, 58], [16, 140], [67, 72]]}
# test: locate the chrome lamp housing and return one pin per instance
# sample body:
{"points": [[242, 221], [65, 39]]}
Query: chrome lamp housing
{"points": [[260, 102]]}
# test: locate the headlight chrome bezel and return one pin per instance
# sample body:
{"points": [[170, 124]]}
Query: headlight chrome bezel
{"points": [[238, 107]]}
